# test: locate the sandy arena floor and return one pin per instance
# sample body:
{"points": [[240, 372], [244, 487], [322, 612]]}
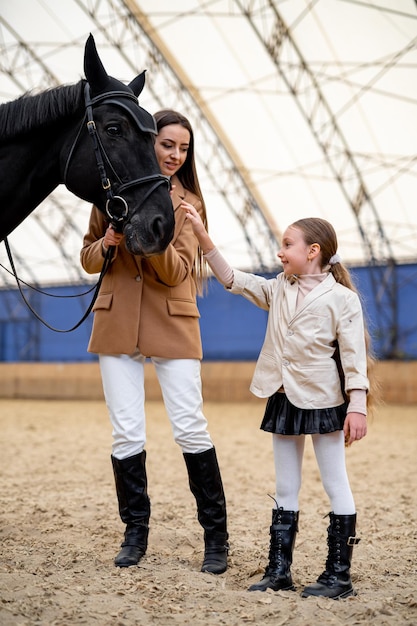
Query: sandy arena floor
{"points": [[59, 526]]}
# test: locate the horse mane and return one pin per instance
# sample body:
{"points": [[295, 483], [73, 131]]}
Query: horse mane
{"points": [[31, 111]]}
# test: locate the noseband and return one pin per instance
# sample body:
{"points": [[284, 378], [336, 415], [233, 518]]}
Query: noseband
{"points": [[117, 208]]}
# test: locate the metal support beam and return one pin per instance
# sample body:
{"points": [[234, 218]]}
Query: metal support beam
{"points": [[273, 32]]}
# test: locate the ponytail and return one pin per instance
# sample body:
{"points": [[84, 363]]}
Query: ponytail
{"points": [[342, 275]]}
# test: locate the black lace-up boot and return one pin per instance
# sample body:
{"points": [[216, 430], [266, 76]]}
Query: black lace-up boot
{"points": [[134, 507], [335, 581], [207, 487], [278, 573]]}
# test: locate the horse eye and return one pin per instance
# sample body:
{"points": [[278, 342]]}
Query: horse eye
{"points": [[114, 130]]}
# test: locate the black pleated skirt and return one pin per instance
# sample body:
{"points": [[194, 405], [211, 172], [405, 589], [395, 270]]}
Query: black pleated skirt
{"points": [[283, 418]]}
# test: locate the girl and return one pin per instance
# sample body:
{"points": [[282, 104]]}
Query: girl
{"points": [[147, 308], [313, 368]]}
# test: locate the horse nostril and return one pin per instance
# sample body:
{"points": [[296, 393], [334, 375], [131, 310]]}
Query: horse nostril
{"points": [[157, 227]]}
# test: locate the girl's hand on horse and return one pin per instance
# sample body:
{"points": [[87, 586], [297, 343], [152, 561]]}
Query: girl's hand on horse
{"points": [[355, 427], [194, 217], [198, 227], [111, 238]]}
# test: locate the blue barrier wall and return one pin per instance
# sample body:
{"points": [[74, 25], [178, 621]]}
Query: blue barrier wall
{"points": [[232, 328]]}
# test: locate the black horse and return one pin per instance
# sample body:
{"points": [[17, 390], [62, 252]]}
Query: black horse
{"points": [[95, 139]]}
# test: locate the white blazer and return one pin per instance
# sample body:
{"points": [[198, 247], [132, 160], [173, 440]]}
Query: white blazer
{"points": [[298, 346]]}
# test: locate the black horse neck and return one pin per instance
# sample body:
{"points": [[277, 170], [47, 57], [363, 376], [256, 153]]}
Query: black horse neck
{"points": [[31, 128]]}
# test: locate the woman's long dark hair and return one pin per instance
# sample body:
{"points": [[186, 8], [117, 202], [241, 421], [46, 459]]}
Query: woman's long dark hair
{"points": [[187, 174]]}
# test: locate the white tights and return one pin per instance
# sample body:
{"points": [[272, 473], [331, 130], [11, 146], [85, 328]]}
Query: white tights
{"points": [[330, 454]]}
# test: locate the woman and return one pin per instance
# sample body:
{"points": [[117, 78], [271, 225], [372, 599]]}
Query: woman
{"points": [[147, 308]]}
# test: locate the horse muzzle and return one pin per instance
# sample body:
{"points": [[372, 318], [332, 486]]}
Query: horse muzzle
{"points": [[148, 237]]}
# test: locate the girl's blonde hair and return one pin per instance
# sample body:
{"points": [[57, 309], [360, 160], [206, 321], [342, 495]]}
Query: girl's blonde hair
{"points": [[320, 231]]}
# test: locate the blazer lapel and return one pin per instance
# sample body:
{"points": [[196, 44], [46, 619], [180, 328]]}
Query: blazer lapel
{"points": [[178, 193], [291, 291]]}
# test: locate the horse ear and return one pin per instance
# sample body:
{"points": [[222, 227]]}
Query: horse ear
{"points": [[94, 70], [138, 83]]}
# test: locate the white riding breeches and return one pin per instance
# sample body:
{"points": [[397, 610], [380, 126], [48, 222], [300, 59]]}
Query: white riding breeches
{"points": [[123, 379]]}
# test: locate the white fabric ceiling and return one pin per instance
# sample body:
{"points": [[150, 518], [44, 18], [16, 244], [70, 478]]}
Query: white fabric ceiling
{"points": [[362, 56]]}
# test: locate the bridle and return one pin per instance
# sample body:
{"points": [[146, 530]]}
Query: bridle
{"points": [[117, 208], [116, 216]]}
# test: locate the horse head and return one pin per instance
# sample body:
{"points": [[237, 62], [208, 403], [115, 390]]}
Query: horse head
{"points": [[112, 163]]}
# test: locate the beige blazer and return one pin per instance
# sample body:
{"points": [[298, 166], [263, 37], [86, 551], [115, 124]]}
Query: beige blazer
{"points": [[299, 345], [149, 304]]}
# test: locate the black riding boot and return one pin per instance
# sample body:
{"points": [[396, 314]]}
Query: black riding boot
{"points": [[134, 507], [277, 573], [207, 487], [335, 581]]}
